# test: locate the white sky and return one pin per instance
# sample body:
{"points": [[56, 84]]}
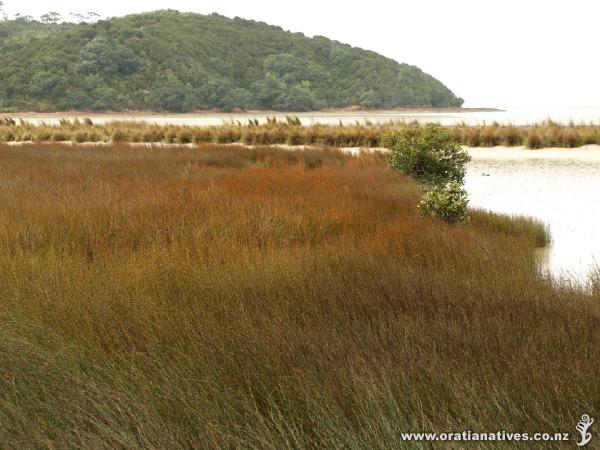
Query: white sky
{"points": [[490, 52]]}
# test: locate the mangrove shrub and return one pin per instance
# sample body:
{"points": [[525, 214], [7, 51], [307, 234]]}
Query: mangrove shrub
{"points": [[432, 156], [448, 202], [429, 154]]}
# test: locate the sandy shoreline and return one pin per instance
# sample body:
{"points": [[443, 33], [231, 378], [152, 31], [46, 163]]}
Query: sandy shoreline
{"points": [[584, 153], [203, 114]]}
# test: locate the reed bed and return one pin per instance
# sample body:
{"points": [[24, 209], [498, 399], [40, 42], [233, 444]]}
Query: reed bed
{"points": [[518, 226], [291, 132], [225, 297]]}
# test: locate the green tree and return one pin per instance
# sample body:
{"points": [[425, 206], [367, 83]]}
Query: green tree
{"points": [[2, 97], [77, 17], [92, 16], [104, 98], [267, 92], [293, 70], [47, 84], [51, 17], [172, 96], [101, 56], [295, 98], [371, 99], [216, 93], [239, 98]]}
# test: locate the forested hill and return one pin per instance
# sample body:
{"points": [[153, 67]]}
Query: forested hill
{"points": [[171, 61]]}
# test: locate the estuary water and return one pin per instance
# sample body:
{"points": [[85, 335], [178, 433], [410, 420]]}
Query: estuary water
{"points": [[515, 116], [558, 186]]}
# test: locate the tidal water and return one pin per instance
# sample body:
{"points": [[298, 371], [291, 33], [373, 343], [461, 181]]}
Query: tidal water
{"points": [[559, 187], [516, 116]]}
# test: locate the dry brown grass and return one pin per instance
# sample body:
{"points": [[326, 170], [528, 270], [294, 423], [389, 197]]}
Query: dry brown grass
{"points": [[546, 134], [225, 297]]}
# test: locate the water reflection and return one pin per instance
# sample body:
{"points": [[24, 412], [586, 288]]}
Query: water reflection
{"points": [[560, 187]]}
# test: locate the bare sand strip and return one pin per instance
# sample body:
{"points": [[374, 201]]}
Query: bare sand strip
{"points": [[585, 153]]}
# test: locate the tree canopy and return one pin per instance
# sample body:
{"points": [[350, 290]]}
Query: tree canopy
{"points": [[174, 61]]}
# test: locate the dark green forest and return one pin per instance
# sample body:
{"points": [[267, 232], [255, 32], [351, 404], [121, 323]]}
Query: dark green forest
{"points": [[171, 61]]}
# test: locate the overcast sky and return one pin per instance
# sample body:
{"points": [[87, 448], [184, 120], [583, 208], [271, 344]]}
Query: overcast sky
{"points": [[491, 53]]}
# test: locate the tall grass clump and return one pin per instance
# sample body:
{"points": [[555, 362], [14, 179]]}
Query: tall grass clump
{"points": [[292, 132], [227, 297], [533, 140], [534, 230]]}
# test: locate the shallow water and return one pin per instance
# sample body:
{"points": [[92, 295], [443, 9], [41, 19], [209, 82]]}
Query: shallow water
{"points": [[560, 187], [516, 116]]}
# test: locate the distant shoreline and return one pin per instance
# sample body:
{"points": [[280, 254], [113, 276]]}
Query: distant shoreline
{"points": [[85, 113]]}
